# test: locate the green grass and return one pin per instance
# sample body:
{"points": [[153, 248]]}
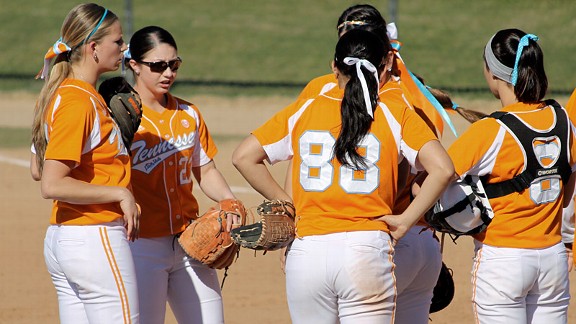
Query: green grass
{"points": [[293, 40], [13, 137], [18, 137]]}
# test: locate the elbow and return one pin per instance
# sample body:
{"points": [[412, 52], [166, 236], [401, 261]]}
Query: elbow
{"points": [[35, 175], [47, 191], [239, 159], [446, 174]]}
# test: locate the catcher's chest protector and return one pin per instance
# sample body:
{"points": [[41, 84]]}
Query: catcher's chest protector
{"points": [[545, 152]]}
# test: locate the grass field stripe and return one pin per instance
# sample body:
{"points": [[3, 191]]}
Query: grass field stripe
{"points": [[26, 164], [13, 161], [116, 273]]}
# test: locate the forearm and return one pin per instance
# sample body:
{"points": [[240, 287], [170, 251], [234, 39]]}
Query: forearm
{"points": [[259, 177], [79, 192], [432, 187], [249, 158], [57, 184], [213, 184]]}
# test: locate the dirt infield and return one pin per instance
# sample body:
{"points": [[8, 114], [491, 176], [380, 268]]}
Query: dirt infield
{"points": [[254, 289]]}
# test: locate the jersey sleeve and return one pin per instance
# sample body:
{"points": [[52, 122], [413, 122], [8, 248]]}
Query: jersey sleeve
{"points": [[275, 134], [415, 133], [571, 107], [70, 126], [207, 148], [475, 150]]}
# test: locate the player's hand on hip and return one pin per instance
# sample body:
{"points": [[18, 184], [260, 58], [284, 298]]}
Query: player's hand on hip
{"points": [[397, 226]]}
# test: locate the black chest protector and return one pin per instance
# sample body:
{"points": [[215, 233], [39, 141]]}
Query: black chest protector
{"points": [[534, 169]]}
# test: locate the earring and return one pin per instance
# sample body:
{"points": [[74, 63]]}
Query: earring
{"points": [[137, 72], [96, 57]]}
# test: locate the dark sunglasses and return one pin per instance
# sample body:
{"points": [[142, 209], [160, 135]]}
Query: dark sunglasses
{"points": [[161, 66]]}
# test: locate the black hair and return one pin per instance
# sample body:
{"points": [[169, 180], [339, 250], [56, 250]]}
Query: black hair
{"points": [[532, 83], [356, 121], [146, 39], [366, 17]]}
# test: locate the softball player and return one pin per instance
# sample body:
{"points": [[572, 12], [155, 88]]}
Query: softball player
{"points": [[172, 147], [520, 270], [346, 147], [80, 159], [568, 234], [417, 256]]}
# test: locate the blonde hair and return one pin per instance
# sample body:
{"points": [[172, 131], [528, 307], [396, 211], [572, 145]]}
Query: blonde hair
{"points": [[468, 114], [447, 103], [78, 24]]}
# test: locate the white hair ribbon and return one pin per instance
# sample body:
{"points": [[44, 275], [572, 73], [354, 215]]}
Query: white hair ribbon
{"points": [[58, 48], [370, 67], [392, 31], [126, 56]]}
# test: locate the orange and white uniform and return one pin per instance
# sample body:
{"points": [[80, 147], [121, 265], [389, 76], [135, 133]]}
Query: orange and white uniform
{"points": [[337, 206], [519, 272], [568, 233], [417, 255], [164, 150], [86, 250]]}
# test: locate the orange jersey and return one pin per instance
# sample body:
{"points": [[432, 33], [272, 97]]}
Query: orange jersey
{"points": [[79, 129], [571, 107], [527, 219], [330, 197], [165, 149], [394, 92]]}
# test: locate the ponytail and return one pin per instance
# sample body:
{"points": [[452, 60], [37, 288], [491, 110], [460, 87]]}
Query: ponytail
{"points": [[359, 55], [515, 57]]}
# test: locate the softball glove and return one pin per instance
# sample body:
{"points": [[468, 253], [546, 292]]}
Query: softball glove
{"points": [[206, 238], [124, 105], [274, 230]]}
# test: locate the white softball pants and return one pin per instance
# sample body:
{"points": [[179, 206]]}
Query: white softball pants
{"points": [[418, 261], [341, 278], [92, 270], [512, 285], [166, 274]]}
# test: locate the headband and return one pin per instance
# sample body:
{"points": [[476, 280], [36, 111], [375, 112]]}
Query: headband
{"points": [[58, 48], [370, 67], [521, 44], [498, 69], [61, 47], [95, 28], [351, 22]]}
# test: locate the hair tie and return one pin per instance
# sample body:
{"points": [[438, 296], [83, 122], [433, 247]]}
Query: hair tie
{"points": [[521, 44], [455, 106], [370, 67], [126, 57], [352, 22], [58, 48]]}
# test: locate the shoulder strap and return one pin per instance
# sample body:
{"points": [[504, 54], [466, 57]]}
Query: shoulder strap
{"points": [[532, 169]]}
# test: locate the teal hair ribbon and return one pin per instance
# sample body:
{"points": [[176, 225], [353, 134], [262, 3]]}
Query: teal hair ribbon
{"points": [[97, 26], [430, 97], [521, 44]]}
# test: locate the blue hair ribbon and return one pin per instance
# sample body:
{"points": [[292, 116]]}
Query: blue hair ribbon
{"points": [[97, 26], [430, 97], [521, 44]]}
